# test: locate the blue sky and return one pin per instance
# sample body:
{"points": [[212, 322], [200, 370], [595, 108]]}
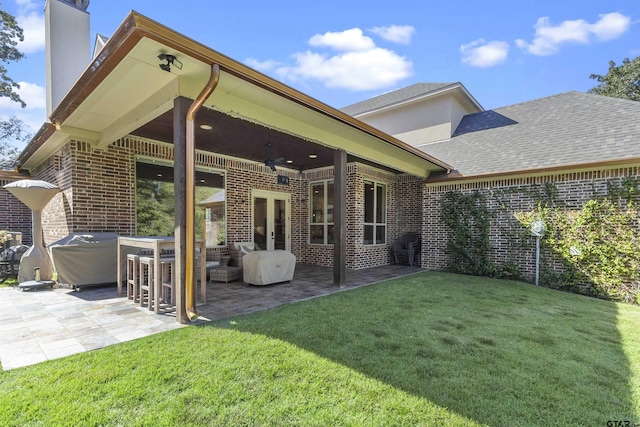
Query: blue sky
{"points": [[342, 52]]}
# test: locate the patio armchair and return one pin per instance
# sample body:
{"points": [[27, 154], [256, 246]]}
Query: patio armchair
{"points": [[10, 260], [406, 248]]}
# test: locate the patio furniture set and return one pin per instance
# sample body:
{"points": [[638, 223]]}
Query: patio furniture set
{"points": [[254, 266]]}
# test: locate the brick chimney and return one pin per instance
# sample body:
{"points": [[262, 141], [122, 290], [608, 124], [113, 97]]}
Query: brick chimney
{"points": [[67, 46]]}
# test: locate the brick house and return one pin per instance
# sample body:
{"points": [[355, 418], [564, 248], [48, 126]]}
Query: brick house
{"points": [[293, 169], [577, 143], [335, 187]]}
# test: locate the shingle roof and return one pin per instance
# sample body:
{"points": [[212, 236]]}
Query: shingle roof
{"points": [[393, 97], [560, 130]]}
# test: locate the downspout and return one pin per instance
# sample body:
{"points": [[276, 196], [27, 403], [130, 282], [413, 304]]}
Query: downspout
{"points": [[190, 238]]}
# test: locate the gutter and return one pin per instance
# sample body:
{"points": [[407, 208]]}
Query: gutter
{"points": [[136, 27], [190, 236], [44, 133], [454, 176]]}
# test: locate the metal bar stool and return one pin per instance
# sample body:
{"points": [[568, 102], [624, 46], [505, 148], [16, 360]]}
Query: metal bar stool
{"points": [[145, 282], [133, 264]]}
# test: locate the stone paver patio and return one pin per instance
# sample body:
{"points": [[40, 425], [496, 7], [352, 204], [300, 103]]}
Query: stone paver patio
{"points": [[45, 324]]}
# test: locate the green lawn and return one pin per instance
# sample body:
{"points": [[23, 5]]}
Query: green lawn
{"points": [[430, 349], [9, 282]]}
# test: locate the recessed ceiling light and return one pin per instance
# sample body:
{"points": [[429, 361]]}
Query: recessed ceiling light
{"points": [[289, 161], [160, 175], [206, 127], [313, 156]]}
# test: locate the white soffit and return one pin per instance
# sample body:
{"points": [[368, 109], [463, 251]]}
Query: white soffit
{"points": [[137, 91]]}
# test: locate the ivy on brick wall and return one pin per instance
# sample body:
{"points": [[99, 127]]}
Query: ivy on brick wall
{"points": [[599, 244], [467, 219]]}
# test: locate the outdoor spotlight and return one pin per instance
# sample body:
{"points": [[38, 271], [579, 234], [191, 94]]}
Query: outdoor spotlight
{"points": [[171, 60]]}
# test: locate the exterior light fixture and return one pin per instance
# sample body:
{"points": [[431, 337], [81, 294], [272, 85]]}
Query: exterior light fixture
{"points": [[206, 127], [289, 161], [171, 60], [313, 156]]}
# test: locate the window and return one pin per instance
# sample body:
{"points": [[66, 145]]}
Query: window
{"points": [[375, 213], [321, 213], [155, 204]]}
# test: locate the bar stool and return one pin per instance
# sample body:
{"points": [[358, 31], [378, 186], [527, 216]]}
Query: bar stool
{"points": [[167, 287], [133, 263], [145, 282]]}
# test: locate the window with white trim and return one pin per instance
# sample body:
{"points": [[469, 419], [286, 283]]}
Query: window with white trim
{"points": [[321, 213], [375, 213]]}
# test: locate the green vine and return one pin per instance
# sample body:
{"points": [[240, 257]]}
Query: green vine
{"points": [[467, 219], [598, 244]]}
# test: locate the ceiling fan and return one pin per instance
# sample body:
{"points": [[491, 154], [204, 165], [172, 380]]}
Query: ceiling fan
{"points": [[272, 162]]}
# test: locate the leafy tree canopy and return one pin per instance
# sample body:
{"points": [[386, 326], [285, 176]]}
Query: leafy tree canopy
{"points": [[10, 35], [622, 81], [11, 130]]}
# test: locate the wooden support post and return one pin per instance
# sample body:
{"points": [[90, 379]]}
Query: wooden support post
{"points": [[180, 107], [340, 218]]}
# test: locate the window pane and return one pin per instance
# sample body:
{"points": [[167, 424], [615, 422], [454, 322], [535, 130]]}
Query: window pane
{"points": [[317, 234], [330, 234], [317, 202], [368, 202], [279, 216], [368, 234], [381, 204], [155, 203], [154, 208], [381, 232], [330, 202]]}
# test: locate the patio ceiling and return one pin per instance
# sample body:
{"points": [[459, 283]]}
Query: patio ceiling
{"points": [[124, 92], [242, 139]]}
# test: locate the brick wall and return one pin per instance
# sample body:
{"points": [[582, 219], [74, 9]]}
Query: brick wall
{"points": [[505, 197], [98, 194], [16, 216]]}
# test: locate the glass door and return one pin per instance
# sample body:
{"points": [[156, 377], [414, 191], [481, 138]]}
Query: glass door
{"points": [[271, 220]]}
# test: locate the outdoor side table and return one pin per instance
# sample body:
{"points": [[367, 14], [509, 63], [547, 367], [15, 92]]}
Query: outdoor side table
{"points": [[225, 274]]}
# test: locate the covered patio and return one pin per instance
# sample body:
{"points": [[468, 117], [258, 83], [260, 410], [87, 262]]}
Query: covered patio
{"points": [[270, 147], [46, 324]]}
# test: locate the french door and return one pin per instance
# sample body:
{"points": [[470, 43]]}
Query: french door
{"points": [[271, 218]]}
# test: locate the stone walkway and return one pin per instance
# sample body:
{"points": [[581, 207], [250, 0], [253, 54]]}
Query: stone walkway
{"points": [[45, 324]]}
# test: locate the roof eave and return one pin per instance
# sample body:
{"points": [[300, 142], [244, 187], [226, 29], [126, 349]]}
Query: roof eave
{"points": [[136, 26], [452, 88]]}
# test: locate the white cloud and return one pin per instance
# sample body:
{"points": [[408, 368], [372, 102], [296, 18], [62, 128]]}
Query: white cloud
{"points": [[264, 66], [32, 26], [359, 70], [32, 94], [549, 38], [480, 53], [27, 5], [347, 41], [395, 33], [343, 60], [33, 115]]}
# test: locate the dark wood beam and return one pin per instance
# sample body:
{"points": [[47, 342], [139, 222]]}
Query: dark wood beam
{"points": [[180, 107], [340, 218]]}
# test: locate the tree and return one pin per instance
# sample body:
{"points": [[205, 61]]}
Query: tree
{"points": [[10, 35], [13, 128], [621, 81]]}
